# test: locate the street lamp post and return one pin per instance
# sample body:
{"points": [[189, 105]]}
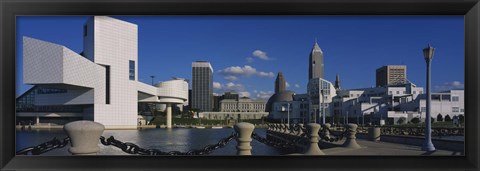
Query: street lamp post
{"points": [[323, 107], [428, 145], [152, 79], [288, 113]]}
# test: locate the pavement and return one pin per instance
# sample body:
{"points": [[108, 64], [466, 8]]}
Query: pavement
{"points": [[383, 148]]}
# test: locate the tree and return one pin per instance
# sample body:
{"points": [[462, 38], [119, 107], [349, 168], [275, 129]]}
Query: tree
{"points": [[415, 120], [439, 117], [401, 120], [461, 118], [447, 118]]}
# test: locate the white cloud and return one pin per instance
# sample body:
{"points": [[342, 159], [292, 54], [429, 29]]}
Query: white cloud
{"points": [[266, 74], [237, 70], [449, 86], [255, 91], [260, 54], [244, 94], [216, 94], [288, 85], [247, 70], [296, 85], [217, 85], [264, 95], [230, 78], [249, 59]]}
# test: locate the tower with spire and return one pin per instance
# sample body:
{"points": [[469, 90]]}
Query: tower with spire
{"points": [[315, 67], [280, 83], [337, 83]]}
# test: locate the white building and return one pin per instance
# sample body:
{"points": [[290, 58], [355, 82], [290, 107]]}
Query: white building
{"points": [[321, 93], [449, 103], [243, 108], [296, 110], [103, 79]]}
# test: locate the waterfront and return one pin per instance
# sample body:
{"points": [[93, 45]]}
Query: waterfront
{"points": [[176, 139]]}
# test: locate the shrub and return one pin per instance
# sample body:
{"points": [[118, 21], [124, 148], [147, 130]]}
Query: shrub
{"points": [[439, 117], [415, 120], [447, 118], [401, 120], [461, 118]]}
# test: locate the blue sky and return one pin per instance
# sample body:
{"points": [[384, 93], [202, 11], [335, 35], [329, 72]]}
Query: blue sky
{"points": [[246, 52]]}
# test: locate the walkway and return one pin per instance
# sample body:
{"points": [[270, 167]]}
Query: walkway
{"points": [[384, 148]]}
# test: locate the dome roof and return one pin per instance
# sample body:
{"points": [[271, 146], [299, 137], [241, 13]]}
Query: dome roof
{"points": [[285, 95]]}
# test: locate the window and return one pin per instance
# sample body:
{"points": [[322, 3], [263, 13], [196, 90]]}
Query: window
{"points": [[132, 70], [398, 92], [414, 92], [455, 109], [455, 98], [462, 110], [423, 109], [390, 93]]}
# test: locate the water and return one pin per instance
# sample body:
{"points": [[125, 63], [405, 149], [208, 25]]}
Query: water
{"points": [[177, 139]]}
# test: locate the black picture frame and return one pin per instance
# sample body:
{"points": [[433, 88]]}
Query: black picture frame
{"points": [[9, 9]]}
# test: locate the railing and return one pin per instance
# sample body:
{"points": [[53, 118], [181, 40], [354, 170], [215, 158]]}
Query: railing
{"points": [[84, 138], [416, 131]]}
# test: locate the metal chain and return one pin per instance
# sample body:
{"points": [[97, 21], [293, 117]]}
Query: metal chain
{"points": [[131, 148], [45, 147], [337, 137], [275, 144]]}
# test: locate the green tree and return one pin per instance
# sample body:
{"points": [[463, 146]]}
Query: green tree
{"points": [[439, 117], [461, 118], [447, 118], [415, 120]]}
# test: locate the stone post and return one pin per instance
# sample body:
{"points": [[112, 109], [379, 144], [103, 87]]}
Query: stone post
{"points": [[374, 134], [300, 132], [84, 137], [351, 141], [244, 138], [169, 115], [313, 149], [326, 128]]}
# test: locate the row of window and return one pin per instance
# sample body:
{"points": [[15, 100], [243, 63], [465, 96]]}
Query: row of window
{"points": [[454, 109]]}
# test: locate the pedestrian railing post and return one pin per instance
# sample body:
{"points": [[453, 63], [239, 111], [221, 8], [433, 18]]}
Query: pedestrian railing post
{"points": [[244, 138], [300, 132], [351, 141], [326, 130], [313, 149], [84, 137]]}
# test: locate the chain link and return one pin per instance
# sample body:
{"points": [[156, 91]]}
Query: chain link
{"points": [[280, 145], [132, 148], [337, 137], [45, 147]]}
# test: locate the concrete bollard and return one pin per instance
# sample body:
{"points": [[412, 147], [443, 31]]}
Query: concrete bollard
{"points": [[313, 149], [300, 132], [351, 141], [326, 128], [374, 134], [84, 137], [244, 131]]}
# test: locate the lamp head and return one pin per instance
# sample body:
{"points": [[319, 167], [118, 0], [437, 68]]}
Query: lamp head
{"points": [[428, 52]]}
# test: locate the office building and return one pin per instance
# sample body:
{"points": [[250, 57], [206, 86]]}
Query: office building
{"points": [[202, 86], [391, 75], [315, 65]]}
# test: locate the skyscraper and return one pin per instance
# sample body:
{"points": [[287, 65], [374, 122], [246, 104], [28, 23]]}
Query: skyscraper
{"points": [[202, 86], [280, 83], [315, 66], [391, 75]]}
